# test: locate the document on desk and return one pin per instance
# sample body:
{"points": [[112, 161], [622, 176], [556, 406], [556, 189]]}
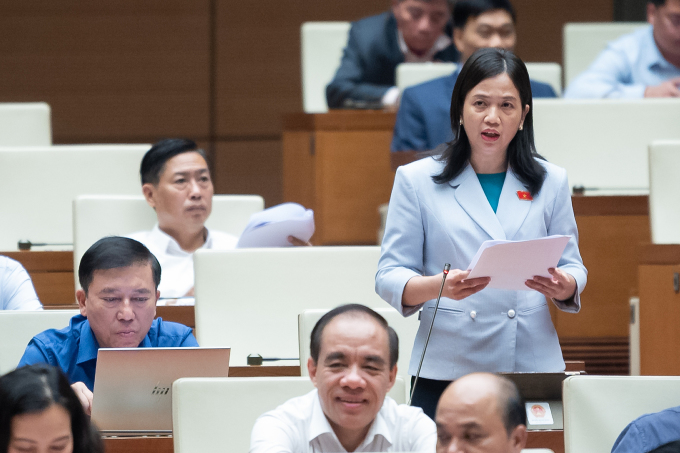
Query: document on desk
{"points": [[271, 227], [511, 263]]}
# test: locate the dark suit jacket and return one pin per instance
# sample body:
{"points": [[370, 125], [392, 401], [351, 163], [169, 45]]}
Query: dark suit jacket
{"points": [[372, 54], [424, 119]]}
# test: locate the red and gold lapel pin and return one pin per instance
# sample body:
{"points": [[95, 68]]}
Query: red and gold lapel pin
{"points": [[524, 195]]}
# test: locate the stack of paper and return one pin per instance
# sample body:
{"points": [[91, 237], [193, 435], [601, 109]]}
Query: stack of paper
{"points": [[271, 227], [511, 263]]}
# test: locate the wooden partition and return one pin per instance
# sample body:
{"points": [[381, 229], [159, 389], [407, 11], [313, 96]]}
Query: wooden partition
{"points": [[217, 71], [338, 164], [659, 281]]}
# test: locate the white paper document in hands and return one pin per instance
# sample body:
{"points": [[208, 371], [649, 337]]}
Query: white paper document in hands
{"points": [[271, 227], [511, 263]]}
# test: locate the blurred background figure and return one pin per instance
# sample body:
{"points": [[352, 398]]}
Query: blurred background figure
{"points": [[645, 63], [413, 31]]}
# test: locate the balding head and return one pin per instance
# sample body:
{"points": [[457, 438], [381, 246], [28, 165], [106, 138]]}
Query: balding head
{"points": [[481, 411]]}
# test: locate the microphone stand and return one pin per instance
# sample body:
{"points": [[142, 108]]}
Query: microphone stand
{"points": [[447, 267]]}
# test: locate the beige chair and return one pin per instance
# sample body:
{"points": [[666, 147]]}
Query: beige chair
{"points": [[603, 143], [25, 124], [218, 414], [550, 73], [409, 74], [38, 185], [96, 216], [598, 408], [322, 44], [250, 299], [583, 42], [664, 191], [18, 327], [406, 329]]}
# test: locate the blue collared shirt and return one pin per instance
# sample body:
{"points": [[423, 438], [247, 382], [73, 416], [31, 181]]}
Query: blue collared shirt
{"points": [[624, 69], [74, 348], [649, 432]]}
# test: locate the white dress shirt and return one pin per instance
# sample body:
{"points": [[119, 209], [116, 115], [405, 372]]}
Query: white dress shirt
{"points": [[177, 265], [300, 426], [16, 287], [391, 97]]}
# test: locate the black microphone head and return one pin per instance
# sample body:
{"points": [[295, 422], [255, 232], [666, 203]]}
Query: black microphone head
{"points": [[447, 268], [24, 244]]}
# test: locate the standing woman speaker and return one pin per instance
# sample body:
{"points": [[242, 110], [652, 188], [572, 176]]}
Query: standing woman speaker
{"points": [[489, 183]]}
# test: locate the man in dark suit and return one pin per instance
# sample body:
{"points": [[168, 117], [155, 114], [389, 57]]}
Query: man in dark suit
{"points": [[423, 120], [413, 31]]}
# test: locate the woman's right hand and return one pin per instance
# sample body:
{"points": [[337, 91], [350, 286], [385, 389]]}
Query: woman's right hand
{"points": [[459, 287], [419, 290]]}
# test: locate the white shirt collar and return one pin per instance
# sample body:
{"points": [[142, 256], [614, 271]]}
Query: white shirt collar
{"points": [[166, 242], [409, 57], [319, 426]]}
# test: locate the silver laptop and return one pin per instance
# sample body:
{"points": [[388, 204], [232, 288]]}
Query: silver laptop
{"points": [[133, 386]]}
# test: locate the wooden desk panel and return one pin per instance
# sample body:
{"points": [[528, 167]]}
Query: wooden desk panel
{"points": [[659, 309], [339, 165], [52, 275], [608, 245], [157, 444], [553, 440]]}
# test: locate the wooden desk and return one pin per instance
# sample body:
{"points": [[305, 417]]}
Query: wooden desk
{"points": [[610, 230], [659, 270], [553, 440], [338, 163], [52, 275]]}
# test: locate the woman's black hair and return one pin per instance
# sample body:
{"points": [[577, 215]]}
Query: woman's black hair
{"points": [[521, 153], [34, 388]]}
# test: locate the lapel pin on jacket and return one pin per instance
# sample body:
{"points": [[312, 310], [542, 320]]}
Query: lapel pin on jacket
{"points": [[524, 195]]}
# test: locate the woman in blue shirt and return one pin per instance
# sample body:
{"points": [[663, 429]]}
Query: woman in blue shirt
{"points": [[489, 183]]}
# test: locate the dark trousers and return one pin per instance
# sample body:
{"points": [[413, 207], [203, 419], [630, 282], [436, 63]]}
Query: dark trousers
{"points": [[427, 393]]}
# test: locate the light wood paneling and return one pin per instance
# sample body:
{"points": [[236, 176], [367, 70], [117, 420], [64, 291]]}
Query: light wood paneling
{"points": [[608, 246], [659, 318], [52, 276], [298, 166], [122, 70], [249, 167], [258, 59], [353, 178], [540, 23]]}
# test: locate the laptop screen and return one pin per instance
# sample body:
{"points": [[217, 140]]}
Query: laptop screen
{"points": [[133, 386]]}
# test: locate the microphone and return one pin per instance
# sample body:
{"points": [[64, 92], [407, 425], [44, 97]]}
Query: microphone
{"points": [[25, 244], [257, 359], [447, 267]]}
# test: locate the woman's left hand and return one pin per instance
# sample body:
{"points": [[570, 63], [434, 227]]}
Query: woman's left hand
{"points": [[560, 286]]}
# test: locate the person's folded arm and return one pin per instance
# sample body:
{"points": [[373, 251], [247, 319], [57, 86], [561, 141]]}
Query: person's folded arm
{"points": [[609, 76]]}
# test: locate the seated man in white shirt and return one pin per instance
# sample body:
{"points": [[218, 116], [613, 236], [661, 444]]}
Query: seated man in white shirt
{"points": [[16, 288], [176, 183], [481, 412], [353, 365]]}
